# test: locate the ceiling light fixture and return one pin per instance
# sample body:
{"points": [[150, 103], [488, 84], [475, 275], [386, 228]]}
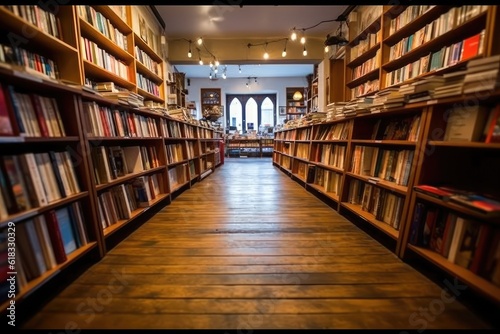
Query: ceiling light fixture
{"points": [[297, 96], [283, 54], [294, 35], [303, 38], [200, 41], [304, 52], [190, 54], [266, 55]]}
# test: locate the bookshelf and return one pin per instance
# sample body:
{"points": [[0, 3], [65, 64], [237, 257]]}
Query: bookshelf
{"points": [[259, 147], [78, 162], [296, 105], [445, 139]]}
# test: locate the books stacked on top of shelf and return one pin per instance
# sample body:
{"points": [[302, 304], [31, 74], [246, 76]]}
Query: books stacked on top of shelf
{"points": [[315, 117], [482, 74], [485, 204], [421, 90], [125, 97], [452, 84], [334, 108], [358, 106], [387, 98]]}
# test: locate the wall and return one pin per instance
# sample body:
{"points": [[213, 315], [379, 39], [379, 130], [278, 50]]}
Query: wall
{"points": [[237, 86]]}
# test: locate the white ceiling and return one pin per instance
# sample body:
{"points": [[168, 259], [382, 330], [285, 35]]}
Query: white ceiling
{"points": [[248, 22]]}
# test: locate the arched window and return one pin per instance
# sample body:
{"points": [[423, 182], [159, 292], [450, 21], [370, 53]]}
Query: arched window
{"points": [[236, 114], [267, 113], [252, 119]]}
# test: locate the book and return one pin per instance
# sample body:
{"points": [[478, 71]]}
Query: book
{"points": [[482, 204], [6, 128], [467, 244], [471, 47], [466, 123], [434, 191], [493, 128]]}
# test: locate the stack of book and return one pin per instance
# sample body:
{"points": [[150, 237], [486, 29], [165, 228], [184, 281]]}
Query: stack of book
{"points": [[333, 109], [482, 74], [387, 98], [452, 84], [358, 106], [421, 90]]}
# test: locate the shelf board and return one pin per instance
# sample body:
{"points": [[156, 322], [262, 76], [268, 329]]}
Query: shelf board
{"points": [[99, 38], [438, 42], [148, 95], [384, 227], [384, 142], [46, 276], [39, 210], [332, 168], [146, 48], [372, 75], [177, 186], [486, 288], [115, 19], [121, 179], [148, 73], [322, 190], [459, 208], [34, 140], [382, 183], [458, 144], [20, 26], [175, 163], [136, 213], [329, 141], [100, 139], [370, 53], [300, 178], [415, 25], [100, 73]]}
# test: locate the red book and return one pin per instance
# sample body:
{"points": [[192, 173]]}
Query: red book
{"points": [[55, 236], [493, 135], [35, 100], [433, 191], [482, 247], [6, 128], [471, 47]]}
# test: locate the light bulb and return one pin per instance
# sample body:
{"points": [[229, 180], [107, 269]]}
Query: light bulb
{"points": [[216, 63], [302, 40], [283, 54], [266, 55], [327, 49], [200, 41], [201, 62], [216, 70], [211, 65], [224, 75], [294, 36], [210, 76], [190, 54], [305, 51]]}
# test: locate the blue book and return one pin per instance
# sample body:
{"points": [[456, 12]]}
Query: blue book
{"points": [[67, 232]]}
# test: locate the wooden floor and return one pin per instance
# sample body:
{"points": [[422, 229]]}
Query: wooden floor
{"points": [[248, 248]]}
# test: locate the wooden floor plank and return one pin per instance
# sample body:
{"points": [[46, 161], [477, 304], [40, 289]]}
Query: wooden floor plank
{"points": [[248, 248]]}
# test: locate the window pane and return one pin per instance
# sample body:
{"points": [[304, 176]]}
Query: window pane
{"points": [[236, 114], [251, 115], [267, 113]]}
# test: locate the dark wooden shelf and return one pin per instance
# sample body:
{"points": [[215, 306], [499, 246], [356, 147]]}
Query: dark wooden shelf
{"points": [[370, 218], [370, 53], [370, 29], [372, 75], [100, 73], [403, 190], [128, 177]]}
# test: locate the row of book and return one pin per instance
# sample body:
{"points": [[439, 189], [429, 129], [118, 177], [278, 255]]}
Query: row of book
{"points": [[368, 66], [446, 56], [43, 19], [365, 88], [173, 129], [179, 175], [402, 128], [302, 150], [383, 204], [42, 243], [102, 121], [366, 44], [175, 152], [336, 131], [146, 84], [461, 240], [329, 154], [328, 180], [382, 164], [103, 25], [407, 16], [32, 180], [111, 162], [303, 134], [91, 52], [119, 202], [147, 61], [31, 62], [29, 114]]}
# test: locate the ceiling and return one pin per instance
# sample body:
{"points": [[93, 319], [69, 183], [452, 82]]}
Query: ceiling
{"points": [[248, 22]]}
